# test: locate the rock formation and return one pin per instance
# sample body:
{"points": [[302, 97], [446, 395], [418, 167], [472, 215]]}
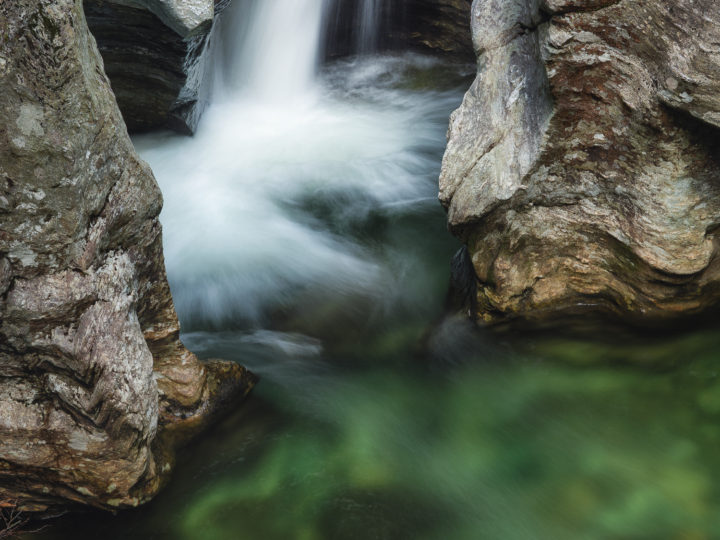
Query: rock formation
{"points": [[95, 386], [153, 52], [583, 167], [435, 26]]}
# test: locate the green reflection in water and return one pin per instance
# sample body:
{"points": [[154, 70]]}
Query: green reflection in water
{"points": [[537, 443], [528, 449]]}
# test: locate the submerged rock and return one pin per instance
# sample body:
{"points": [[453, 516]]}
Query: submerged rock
{"points": [[95, 386], [153, 51], [583, 167]]}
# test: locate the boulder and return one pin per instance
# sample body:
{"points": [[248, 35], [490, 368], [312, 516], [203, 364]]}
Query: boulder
{"points": [[95, 386], [583, 168]]}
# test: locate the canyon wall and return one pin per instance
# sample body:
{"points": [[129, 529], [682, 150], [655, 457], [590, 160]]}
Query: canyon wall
{"points": [[153, 51], [583, 168], [95, 387], [436, 27]]}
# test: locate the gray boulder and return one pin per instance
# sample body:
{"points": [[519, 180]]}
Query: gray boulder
{"points": [[583, 167], [95, 387]]}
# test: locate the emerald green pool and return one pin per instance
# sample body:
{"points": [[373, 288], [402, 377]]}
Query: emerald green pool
{"points": [[552, 440]]}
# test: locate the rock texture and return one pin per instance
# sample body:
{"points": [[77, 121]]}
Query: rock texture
{"points": [[153, 52], [435, 26], [95, 386], [583, 167]]}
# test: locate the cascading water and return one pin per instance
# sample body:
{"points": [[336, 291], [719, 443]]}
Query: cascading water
{"points": [[263, 204], [370, 20], [267, 49]]}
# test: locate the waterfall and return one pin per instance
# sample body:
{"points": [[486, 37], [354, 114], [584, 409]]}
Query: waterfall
{"points": [[356, 27], [272, 204], [267, 49], [370, 20], [271, 47]]}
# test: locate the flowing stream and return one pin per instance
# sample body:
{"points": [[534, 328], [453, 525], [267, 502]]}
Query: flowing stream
{"points": [[303, 238], [268, 208]]}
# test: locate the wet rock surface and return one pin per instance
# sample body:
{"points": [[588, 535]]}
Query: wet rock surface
{"points": [[95, 386], [583, 168], [437, 27], [153, 52]]}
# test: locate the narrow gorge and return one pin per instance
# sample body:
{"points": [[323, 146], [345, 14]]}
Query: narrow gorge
{"points": [[533, 355]]}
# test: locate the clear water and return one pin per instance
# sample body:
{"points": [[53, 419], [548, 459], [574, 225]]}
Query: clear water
{"points": [[303, 239]]}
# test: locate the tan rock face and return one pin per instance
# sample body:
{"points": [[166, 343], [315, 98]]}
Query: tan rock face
{"points": [[583, 168], [95, 385]]}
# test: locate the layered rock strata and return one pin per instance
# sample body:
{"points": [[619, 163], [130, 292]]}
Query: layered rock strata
{"points": [[583, 167], [154, 52], [95, 386]]}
